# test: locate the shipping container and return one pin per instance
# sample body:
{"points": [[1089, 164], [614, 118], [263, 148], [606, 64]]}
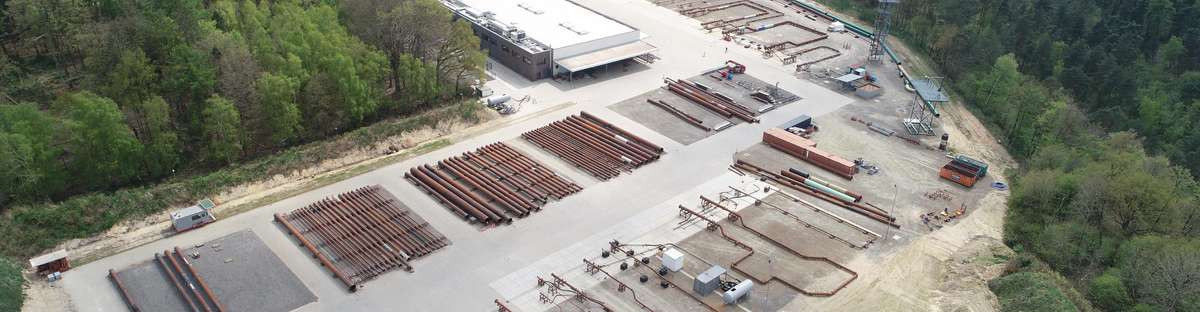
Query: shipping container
{"points": [[806, 150], [957, 174]]}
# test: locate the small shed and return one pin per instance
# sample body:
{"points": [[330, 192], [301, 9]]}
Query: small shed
{"points": [[52, 262], [850, 81]]}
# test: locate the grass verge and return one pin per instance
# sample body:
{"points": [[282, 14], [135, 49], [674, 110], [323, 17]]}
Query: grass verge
{"points": [[12, 294], [32, 228]]}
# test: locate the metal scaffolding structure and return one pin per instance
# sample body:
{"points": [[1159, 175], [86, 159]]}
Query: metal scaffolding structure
{"points": [[883, 26]]}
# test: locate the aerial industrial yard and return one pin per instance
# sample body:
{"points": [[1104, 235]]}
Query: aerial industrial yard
{"points": [[731, 155]]}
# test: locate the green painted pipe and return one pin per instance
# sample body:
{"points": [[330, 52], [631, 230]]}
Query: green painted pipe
{"points": [[827, 190]]}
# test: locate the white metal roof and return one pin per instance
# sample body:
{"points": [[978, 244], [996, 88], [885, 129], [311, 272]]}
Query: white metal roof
{"points": [[47, 258], [606, 56], [556, 23]]}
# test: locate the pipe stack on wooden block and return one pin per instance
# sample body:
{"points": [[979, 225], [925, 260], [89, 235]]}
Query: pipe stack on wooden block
{"points": [[715, 102], [806, 150], [362, 233], [492, 184], [594, 145]]}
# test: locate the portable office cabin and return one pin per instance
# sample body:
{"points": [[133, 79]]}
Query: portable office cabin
{"points": [[193, 216]]}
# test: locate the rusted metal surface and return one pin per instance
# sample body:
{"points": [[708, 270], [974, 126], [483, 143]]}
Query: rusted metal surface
{"points": [[592, 268], [861, 209], [763, 14], [174, 277], [557, 287], [806, 150], [312, 248], [124, 291], [710, 101], [616, 248], [595, 146], [500, 307], [492, 184], [874, 236], [200, 280], [363, 233], [176, 269], [682, 115], [736, 219]]}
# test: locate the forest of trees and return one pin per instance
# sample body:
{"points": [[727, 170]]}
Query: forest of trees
{"points": [[1099, 100], [99, 95]]}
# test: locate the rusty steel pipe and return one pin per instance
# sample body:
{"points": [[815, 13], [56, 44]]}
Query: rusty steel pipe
{"points": [[509, 174], [445, 191], [328, 231], [313, 249], [618, 136], [495, 199], [166, 266], [622, 132], [356, 205], [565, 187], [626, 149], [393, 235], [366, 237], [207, 291], [512, 198], [492, 211], [179, 270], [124, 291], [513, 172], [588, 142], [437, 196], [570, 154]]}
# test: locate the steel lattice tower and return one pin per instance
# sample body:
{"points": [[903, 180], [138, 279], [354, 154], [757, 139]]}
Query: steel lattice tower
{"points": [[883, 25]]}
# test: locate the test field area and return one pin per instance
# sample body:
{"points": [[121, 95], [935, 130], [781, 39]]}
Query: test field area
{"points": [[802, 253]]}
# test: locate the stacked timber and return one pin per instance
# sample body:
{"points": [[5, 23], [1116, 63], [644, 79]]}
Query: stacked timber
{"points": [[806, 150], [491, 184], [594, 145]]}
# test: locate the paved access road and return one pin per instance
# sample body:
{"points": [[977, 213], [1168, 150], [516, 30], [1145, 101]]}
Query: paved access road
{"points": [[457, 278]]}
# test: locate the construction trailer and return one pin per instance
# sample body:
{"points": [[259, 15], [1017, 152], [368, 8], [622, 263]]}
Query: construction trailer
{"points": [[194, 216]]}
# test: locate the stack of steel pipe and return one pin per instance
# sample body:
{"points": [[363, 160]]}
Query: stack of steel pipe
{"points": [[821, 184], [362, 233], [786, 178], [678, 113], [187, 282], [596, 146], [491, 184], [710, 101]]}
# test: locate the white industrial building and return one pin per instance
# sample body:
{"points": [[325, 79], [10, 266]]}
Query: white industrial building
{"points": [[543, 38]]}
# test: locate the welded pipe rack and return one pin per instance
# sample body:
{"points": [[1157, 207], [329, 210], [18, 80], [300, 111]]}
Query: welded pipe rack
{"points": [[706, 99], [361, 234], [492, 184], [594, 145]]}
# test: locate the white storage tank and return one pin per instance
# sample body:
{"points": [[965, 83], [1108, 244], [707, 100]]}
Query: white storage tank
{"points": [[737, 292], [673, 260], [837, 27]]}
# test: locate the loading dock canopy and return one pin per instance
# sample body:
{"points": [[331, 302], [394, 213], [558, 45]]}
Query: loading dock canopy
{"points": [[605, 56]]}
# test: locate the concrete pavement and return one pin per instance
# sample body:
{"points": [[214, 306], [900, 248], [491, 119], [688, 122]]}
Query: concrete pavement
{"points": [[462, 276]]}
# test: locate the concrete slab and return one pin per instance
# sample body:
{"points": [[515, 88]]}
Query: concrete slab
{"points": [[243, 273]]}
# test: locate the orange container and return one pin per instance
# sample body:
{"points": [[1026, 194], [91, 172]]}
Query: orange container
{"points": [[952, 173]]}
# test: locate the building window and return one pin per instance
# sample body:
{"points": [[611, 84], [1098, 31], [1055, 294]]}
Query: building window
{"points": [[505, 49], [542, 61], [526, 60]]}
